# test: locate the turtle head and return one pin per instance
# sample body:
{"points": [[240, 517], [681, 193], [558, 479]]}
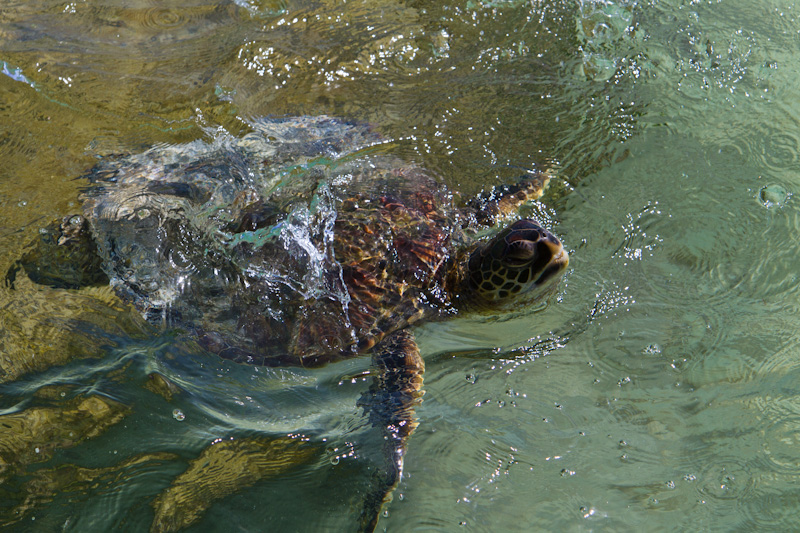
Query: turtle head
{"points": [[522, 261]]}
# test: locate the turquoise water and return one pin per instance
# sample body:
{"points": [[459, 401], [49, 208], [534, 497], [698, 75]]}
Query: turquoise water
{"points": [[659, 390]]}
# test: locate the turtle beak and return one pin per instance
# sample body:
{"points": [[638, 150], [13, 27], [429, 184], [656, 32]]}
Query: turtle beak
{"points": [[559, 260]]}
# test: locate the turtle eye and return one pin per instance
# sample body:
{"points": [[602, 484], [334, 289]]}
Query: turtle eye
{"points": [[520, 251]]}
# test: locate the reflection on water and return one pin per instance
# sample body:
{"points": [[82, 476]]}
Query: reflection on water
{"points": [[660, 390]]}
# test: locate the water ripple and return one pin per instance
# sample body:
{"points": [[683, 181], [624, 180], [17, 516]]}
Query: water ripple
{"points": [[769, 509], [726, 477], [773, 146], [781, 150], [160, 17]]}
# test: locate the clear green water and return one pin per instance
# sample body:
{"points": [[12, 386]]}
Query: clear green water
{"points": [[659, 392]]}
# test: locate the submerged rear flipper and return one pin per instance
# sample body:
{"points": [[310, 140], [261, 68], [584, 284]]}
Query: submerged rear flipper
{"points": [[224, 468], [64, 256], [391, 401]]}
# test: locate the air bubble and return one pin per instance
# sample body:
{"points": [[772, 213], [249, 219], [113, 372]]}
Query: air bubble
{"points": [[652, 349], [178, 415], [773, 196]]}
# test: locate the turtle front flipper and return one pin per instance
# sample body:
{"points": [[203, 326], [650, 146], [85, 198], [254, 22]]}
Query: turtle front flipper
{"points": [[64, 256], [490, 207], [391, 400]]}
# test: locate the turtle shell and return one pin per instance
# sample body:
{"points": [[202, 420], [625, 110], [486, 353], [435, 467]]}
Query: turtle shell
{"points": [[302, 242]]}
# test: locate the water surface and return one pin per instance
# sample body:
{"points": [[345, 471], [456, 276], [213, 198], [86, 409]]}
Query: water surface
{"points": [[658, 391]]}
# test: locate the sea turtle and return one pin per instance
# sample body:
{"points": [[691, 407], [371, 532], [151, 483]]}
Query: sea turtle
{"points": [[302, 242]]}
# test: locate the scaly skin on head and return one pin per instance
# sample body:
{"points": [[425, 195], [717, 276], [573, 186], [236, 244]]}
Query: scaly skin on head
{"points": [[520, 264]]}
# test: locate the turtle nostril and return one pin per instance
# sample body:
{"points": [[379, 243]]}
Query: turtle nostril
{"points": [[554, 246]]}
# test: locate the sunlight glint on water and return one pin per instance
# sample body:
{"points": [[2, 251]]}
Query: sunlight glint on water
{"points": [[658, 390]]}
